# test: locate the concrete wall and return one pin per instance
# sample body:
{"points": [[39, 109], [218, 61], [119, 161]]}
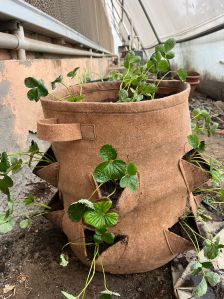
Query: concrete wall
{"points": [[206, 56], [18, 115]]}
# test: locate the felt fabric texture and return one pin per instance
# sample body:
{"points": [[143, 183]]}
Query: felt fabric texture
{"points": [[153, 135]]}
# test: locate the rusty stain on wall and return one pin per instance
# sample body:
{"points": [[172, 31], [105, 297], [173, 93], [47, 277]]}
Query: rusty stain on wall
{"points": [[17, 114]]}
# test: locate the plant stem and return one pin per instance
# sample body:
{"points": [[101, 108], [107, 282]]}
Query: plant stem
{"points": [[212, 190], [104, 276], [108, 196], [69, 91], [90, 276], [193, 231], [195, 245], [29, 213], [97, 188], [41, 205], [54, 96], [162, 78], [77, 244], [121, 85]]}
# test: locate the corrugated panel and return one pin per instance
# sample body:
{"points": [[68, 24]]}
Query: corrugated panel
{"points": [[85, 16]]}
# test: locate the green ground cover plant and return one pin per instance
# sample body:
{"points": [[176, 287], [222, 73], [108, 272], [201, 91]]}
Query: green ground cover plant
{"points": [[203, 125]]}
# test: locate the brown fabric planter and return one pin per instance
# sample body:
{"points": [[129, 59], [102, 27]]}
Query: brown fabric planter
{"points": [[152, 134]]}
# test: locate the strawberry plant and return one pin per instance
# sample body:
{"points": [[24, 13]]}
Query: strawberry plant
{"points": [[202, 124], [134, 85], [38, 88], [203, 267], [99, 216], [10, 164], [134, 81]]}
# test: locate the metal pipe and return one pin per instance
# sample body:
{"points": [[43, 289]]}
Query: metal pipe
{"points": [[149, 20], [8, 41], [195, 36], [24, 12], [20, 34], [39, 46], [201, 34], [13, 42]]}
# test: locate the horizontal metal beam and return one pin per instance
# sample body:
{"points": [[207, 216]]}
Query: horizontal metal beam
{"points": [[35, 18]]}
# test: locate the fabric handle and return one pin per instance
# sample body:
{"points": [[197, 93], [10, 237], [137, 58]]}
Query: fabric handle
{"points": [[50, 130]]}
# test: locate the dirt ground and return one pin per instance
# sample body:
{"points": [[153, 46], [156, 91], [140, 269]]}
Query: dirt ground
{"points": [[29, 265], [30, 262]]}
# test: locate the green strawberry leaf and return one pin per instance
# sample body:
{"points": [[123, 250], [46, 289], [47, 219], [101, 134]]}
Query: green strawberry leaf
{"points": [[182, 74], [16, 164], [5, 184], [33, 148], [131, 59], [29, 200], [37, 90], [170, 55], [100, 217], [131, 169], [163, 65], [73, 73], [103, 206], [201, 289], [108, 238], [109, 170], [77, 209], [147, 89], [26, 223], [107, 152], [195, 142], [123, 95], [196, 268], [4, 162], [212, 278], [6, 223], [211, 249], [129, 181], [57, 80], [169, 44]]}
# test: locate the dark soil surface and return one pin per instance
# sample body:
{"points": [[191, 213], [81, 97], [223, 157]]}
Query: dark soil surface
{"points": [[29, 261], [29, 265]]}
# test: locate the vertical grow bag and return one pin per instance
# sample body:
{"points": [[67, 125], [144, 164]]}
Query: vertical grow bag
{"points": [[153, 135]]}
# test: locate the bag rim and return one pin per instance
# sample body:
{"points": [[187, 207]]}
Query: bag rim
{"points": [[120, 108]]}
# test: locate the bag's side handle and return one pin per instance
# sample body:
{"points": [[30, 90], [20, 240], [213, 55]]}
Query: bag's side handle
{"points": [[50, 130]]}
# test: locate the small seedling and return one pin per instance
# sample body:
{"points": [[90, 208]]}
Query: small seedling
{"points": [[39, 90]]}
